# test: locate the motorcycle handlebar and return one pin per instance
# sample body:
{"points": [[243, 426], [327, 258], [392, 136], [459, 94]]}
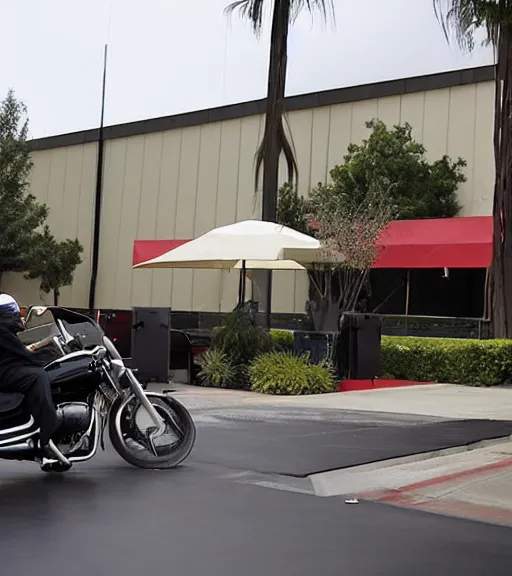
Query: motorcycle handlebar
{"points": [[40, 344]]}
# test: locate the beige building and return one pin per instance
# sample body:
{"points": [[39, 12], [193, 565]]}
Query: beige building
{"points": [[179, 176]]}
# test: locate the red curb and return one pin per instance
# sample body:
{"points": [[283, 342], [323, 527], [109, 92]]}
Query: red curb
{"points": [[467, 510], [401, 496], [360, 385]]}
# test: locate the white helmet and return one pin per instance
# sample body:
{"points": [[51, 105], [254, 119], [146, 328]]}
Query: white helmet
{"points": [[8, 305]]}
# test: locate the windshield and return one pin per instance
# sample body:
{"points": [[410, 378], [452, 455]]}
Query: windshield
{"points": [[54, 321], [39, 327]]}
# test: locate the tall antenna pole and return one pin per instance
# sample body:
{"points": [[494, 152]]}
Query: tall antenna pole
{"points": [[99, 192]]}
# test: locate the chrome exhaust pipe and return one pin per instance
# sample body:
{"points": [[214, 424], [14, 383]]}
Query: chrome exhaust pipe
{"points": [[24, 447], [96, 421]]}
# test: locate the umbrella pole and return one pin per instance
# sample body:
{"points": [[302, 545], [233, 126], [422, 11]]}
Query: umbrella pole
{"points": [[242, 284], [269, 299], [240, 280], [244, 281]]}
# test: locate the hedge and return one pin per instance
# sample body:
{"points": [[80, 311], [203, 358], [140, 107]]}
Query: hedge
{"points": [[447, 360]]}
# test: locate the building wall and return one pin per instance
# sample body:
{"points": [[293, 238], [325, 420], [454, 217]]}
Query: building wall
{"points": [[64, 179], [180, 183]]}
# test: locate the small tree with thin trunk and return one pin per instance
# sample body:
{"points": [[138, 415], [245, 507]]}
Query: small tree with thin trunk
{"points": [[53, 262], [349, 231]]}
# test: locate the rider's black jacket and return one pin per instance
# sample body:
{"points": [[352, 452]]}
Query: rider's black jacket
{"points": [[13, 353]]}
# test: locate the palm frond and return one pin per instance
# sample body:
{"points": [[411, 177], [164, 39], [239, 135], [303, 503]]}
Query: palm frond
{"points": [[258, 165], [325, 7], [251, 10], [287, 147], [460, 19]]}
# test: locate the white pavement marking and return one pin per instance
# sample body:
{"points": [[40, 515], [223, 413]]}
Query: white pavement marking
{"points": [[272, 481]]}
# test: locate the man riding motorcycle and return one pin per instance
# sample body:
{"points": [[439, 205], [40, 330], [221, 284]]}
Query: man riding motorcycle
{"points": [[21, 371]]}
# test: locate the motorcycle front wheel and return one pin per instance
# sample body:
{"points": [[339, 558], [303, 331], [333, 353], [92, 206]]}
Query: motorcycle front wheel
{"points": [[129, 423]]}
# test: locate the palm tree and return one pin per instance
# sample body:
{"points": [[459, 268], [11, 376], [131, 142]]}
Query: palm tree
{"points": [[461, 19], [274, 140]]}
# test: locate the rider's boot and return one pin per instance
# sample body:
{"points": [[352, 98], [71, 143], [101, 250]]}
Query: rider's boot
{"points": [[53, 458]]}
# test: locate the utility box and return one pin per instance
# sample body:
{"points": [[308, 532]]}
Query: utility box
{"points": [[150, 343], [319, 345], [358, 347]]}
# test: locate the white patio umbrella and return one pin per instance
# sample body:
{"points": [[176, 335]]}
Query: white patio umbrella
{"points": [[251, 244], [256, 242], [269, 265]]}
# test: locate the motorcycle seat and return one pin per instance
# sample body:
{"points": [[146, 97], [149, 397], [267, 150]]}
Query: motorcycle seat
{"points": [[10, 401]]}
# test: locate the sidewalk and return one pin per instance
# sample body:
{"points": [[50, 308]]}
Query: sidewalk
{"points": [[436, 400], [441, 400], [475, 485]]}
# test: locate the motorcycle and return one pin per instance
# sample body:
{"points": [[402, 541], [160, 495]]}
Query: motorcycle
{"points": [[92, 388]]}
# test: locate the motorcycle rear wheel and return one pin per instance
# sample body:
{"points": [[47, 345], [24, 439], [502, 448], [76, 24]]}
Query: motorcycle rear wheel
{"points": [[129, 443]]}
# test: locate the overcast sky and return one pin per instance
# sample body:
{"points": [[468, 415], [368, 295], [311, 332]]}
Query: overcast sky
{"points": [[170, 56]]}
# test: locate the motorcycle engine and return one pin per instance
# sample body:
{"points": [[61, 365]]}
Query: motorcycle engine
{"points": [[75, 419], [73, 443]]}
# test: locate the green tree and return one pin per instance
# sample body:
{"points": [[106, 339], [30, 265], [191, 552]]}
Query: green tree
{"points": [[393, 159], [292, 209], [385, 177], [20, 213], [461, 19], [53, 262], [389, 159], [26, 243]]}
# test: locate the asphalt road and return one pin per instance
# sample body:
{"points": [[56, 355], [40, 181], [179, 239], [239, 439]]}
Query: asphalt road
{"points": [[105, 517], [314, 447]]}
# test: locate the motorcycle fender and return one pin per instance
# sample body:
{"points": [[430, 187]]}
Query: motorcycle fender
{"points": [[169, 400]]}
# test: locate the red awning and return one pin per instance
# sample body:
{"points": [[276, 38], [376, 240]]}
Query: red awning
{"points": [[434, 243], [437, 243], [144, 250]]}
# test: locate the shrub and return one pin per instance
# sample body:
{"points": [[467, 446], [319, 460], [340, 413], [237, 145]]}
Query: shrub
{"points": [[240, 342], [283, 340], [216, 369], [283, 373], [447, 360], [239, 339]]}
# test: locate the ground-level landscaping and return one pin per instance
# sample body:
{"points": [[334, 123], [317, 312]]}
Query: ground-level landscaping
{"points": [[249, 357]]}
